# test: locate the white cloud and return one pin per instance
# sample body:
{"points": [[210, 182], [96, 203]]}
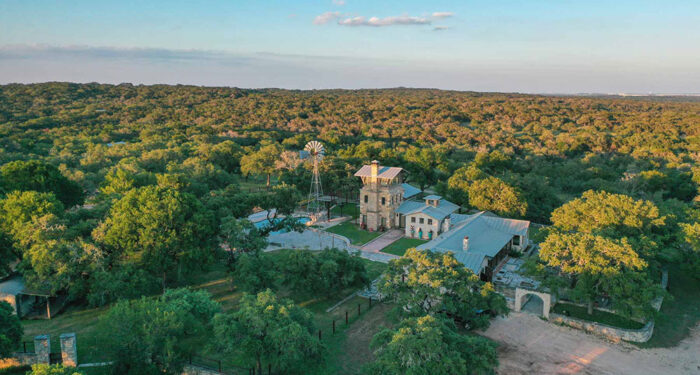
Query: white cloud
{"points": [[386, 21], [440, 15], [440, 28], [339, 3], [324, 18]]}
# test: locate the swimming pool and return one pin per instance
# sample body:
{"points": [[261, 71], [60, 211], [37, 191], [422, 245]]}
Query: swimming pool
{"points": [[264, 223]]}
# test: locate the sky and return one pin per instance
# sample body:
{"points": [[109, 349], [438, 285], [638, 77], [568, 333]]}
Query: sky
{"points": [[533, 46]]}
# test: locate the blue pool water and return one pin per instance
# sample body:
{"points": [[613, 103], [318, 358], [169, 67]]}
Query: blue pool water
{"points": [[264, 223]]}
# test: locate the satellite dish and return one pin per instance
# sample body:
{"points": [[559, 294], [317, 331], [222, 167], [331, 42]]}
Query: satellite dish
{"points": [[315, 149]]}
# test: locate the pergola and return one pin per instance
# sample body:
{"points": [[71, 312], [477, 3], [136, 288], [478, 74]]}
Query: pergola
{"points": [[14, 291]]}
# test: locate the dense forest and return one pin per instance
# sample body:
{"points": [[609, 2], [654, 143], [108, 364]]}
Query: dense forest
{"points": [[89, 172]]}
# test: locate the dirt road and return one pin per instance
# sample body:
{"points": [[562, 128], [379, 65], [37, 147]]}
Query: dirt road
{"points": [[532, 346]]}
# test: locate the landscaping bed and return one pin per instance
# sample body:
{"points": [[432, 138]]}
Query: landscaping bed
{"points": [[598, 316]]}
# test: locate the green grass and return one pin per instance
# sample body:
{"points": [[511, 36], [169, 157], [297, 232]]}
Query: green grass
{"points": [[598, 316], [399, 247], [83, 321], [353, 232], [679, 314], [348, 209]]}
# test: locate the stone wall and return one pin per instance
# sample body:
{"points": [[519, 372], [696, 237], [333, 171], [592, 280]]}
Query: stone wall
{"points": [[196, 370], [611, 333], [18, 359]]}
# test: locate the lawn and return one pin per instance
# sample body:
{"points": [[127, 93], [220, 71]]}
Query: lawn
{"points": [[353, 232], [680, 314], [399, 247], [598, 316], [83, 321]]}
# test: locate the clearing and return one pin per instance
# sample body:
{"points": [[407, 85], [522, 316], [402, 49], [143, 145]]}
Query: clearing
{"points": [[530, 345]]}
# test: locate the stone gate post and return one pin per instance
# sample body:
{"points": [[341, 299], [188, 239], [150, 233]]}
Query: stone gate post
{"points": [[42, 348], [69, 352]]}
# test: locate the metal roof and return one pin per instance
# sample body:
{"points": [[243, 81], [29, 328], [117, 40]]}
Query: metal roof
{"points": [[433, 197], [409, 191], [443, 209], [383, 172], [15, 285], [487, 234]]}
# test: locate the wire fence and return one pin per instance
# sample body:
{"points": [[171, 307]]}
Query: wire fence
{"points": [[325, 332]]}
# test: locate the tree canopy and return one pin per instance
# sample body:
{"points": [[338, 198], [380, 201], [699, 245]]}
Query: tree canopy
{"points": [[425, 282], [268, 330], [34, 175], [164, 230], [429, 345], [10, 330]]}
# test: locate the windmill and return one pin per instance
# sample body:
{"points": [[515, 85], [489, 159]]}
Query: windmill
{"points": [[314, 151]]}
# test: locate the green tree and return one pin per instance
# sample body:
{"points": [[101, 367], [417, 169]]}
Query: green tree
{"points": [[267, 330], [10, 330], [458, 184], [37, 176], [425, 165], [254, 272], [19, 211], [691, 236], [328, 272], [148, 336], [164, 230], [425, 282], [599, 266], [262, 162], [430, 345], [492, 194], [43, 369], [7, 253]]}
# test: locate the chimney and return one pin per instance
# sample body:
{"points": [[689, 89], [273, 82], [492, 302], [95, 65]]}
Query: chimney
{"points": [[465, 243], [375, 168]]}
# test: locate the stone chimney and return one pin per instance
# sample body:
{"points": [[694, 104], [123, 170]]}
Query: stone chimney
{"points": [[465, 243], [375, 168]]}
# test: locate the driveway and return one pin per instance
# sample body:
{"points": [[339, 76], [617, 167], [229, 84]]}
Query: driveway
{"points": [[529, 345]]}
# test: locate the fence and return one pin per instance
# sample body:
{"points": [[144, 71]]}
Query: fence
{"points": [[215, 366]]}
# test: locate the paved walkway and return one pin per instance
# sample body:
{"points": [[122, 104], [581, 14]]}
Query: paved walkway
{"points": [[382, 241]]}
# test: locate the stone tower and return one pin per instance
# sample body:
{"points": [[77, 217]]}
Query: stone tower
{"points": [[380, 196]]}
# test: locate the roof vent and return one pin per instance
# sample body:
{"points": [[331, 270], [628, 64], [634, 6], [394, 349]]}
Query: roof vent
{"points": [[465, 243]]}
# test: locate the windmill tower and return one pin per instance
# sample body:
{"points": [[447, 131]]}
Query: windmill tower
{"points": [[315, 152]]}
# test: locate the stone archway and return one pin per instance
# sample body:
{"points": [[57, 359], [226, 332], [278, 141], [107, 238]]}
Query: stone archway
{"points": [[546, 298]]}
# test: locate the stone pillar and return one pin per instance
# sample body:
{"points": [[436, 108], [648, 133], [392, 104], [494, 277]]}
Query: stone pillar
{"points": [[69, 351], [42, 348]]}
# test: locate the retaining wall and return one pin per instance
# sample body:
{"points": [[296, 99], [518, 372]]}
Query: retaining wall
{"points": [[611, 333]]}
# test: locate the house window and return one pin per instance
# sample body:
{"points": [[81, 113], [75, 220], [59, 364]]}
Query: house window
{"points": [[430, 221], [421, 220], [516, 241], [413, 219], [383, 201], [366, 198], [364, 219]]}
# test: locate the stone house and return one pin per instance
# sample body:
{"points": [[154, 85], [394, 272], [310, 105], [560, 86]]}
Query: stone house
{"points": [[382, 193], [428, 218], [481, 241]]}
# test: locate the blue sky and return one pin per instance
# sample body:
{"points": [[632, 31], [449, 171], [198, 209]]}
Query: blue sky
{"points": [[556, 46]]}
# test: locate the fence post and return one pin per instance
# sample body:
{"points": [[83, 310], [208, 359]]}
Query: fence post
{"points": [[358, 309], [269, 368], [219, 361], [346, 317], [334, 326], [24, 344], [319, 334], [370, 301]]}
